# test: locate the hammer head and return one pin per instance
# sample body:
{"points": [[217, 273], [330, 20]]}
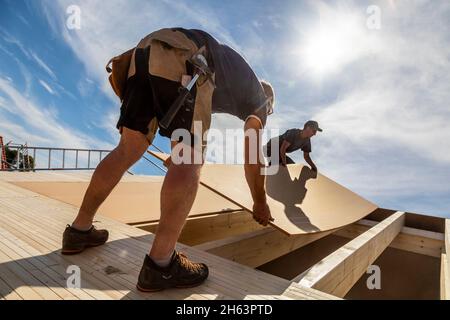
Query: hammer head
{"points": [[199, 61]]}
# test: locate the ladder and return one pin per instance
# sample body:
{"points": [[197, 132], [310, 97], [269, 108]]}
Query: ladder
{"points": [[3, 165]]}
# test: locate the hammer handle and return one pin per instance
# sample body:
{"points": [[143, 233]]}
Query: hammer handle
{"points": [[175, 107]]}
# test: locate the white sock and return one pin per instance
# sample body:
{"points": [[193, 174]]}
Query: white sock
{"points": [[163, 262], [82, 229]]}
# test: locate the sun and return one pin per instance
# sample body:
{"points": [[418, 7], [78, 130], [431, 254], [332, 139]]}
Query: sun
{"points": [[324, 51], [331, 44]]}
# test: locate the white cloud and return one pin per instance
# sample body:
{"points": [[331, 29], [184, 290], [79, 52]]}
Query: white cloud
{"points": [[41, 124], [27, 77], [47, 87], [96, 42], [43, 65], [22, 18], [65, 91], [20, 134], [386, 134], [8, 38]]}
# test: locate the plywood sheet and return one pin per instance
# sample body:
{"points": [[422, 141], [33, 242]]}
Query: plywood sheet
{"points": [[68, 176], [300, 202], [129, 202]]}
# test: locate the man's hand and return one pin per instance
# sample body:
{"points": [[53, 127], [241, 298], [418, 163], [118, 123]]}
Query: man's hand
{"points": [[261, 213], [309, 161], [283, 149]]}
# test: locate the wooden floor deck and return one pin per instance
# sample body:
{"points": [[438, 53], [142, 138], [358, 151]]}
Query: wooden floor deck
{"points": [[31, 266]]}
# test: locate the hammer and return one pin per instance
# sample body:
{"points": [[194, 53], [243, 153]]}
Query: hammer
{"points": [[201, 68]]}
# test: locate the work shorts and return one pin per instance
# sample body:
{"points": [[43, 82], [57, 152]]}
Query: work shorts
{"points": [[148, 97]]}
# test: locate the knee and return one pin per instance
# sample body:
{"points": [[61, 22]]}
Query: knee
{"points": [[127, 154], [186, 172]]}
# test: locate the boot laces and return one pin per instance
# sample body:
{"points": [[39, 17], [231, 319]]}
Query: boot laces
{"points": [[189, 265]]}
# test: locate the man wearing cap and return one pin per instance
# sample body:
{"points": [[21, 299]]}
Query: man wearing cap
{"points": [[293, 140]]}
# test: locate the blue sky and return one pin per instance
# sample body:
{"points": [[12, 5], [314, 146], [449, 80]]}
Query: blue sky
{"points": [[381, 95]]}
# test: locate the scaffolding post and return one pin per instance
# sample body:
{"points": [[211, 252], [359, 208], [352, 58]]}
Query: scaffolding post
{"points": [[3, 164]]}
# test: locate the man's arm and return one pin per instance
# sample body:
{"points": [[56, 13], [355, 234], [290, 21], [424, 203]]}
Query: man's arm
{"points": [[253, 167], [309, 161], [284, 145]]}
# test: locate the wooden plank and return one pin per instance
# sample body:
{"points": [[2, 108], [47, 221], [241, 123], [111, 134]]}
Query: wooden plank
{"points": [[253, 249], [90, 282], [8, 293], [409, 239], [39, 222], [198, 230], [19, 280], [447, 236], [219, 264], [38, 270], [38, 234], [445, 278], [95, 282], [18, 285], [337, 273], [445, 264]]}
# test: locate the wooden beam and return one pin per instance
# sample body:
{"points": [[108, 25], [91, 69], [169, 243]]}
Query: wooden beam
{"points": [[447, 236], [424, 242], [445, 264], [337, 273], [256, 248], [445, 278], [198, 230]]}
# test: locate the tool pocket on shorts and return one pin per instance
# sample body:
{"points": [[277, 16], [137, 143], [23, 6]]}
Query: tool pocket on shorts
{"points": [[167, 61], [203, 106], [118, 68]]}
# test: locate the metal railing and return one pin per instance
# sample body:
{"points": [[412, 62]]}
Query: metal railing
{"points": [[24, 163], [25, 159]]}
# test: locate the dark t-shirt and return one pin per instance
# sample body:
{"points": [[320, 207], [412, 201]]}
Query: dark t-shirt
{"points": [[238, 90], [296, 142]]}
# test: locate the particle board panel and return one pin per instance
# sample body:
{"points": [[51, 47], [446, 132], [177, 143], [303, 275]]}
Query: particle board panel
{"points": [[300, 201], [129, 202]]}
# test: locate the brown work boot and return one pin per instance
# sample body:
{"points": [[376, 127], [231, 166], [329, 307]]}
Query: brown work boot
{"points": [[75, 241], [180, 273]]}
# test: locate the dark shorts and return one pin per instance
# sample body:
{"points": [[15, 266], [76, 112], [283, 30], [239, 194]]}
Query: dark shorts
{"points": [[147, 99], [269, 154]]}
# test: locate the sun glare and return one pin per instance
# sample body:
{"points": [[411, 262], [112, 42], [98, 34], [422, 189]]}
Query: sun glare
{"points": [[332, 44]]}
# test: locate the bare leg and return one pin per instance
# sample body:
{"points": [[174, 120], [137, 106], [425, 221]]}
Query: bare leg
{"points": [[108, 173], [177, 197]]}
